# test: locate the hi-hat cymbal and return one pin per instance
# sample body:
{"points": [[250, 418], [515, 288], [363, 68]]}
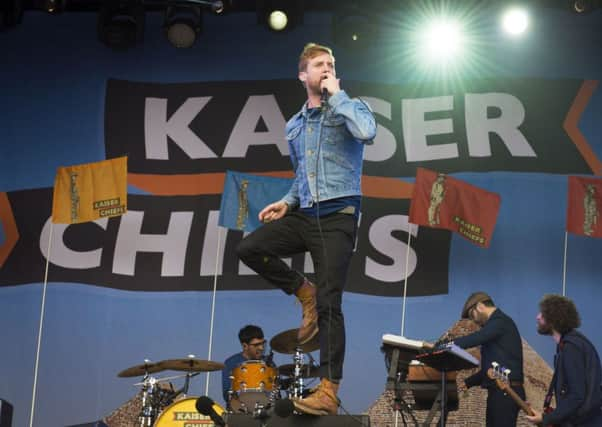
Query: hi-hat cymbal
{"points": [[138, 370], [307, 371], [286, 343], [196, 365]]}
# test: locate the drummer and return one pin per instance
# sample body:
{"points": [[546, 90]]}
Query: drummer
{"points": [[253, 346]]}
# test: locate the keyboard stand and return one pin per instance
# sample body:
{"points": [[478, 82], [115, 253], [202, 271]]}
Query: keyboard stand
{"points": [[446, 360]]}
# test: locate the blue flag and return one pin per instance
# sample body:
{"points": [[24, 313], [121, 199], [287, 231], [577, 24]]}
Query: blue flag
{"points": [[245, 195]]}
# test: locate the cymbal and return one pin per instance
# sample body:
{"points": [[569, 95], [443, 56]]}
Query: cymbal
{"points": [[138, 370], [286, 343], [196, 365], [307, 371]]}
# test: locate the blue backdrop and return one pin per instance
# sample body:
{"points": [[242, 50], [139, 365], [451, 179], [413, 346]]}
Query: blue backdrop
{"points": [[52, 85]]}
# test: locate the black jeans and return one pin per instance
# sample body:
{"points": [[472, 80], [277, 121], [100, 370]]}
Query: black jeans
{"points": [[330, 251], [502, 411]]}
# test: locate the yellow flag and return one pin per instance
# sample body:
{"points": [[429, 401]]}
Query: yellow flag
{"points": [[91, 191]]}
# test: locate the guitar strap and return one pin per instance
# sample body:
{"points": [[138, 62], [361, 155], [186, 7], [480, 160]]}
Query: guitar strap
{"points": [[548, 400]]}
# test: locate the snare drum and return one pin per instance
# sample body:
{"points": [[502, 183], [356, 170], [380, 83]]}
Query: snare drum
{"points": [[183, 413], [252, 383]]}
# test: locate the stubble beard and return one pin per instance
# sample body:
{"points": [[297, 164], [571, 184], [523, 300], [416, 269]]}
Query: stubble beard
{"points": [[543, 329]]}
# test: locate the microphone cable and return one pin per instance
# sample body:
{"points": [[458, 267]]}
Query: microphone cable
{"points": [[320, 232]]}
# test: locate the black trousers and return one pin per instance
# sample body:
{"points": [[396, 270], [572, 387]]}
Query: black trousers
{"points": [[330, 250], [502, 411]]}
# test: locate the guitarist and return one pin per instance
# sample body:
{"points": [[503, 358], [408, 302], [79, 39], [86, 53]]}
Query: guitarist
{"points": [[577, 379], [500, 341]]}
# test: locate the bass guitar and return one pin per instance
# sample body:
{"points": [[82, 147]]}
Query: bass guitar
{"points": [[500, 376]]}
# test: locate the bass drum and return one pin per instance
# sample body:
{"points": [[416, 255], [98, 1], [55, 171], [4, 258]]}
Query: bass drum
{"points": [[183, 413]]}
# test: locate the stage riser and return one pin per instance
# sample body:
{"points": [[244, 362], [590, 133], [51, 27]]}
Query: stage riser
{"points": [[301, 421]]}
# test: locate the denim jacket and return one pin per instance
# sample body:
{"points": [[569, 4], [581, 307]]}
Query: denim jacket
{"points": [[327, 148]]}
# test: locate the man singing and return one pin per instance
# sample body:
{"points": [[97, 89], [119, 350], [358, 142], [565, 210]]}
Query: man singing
{"points": [[319, 214]]}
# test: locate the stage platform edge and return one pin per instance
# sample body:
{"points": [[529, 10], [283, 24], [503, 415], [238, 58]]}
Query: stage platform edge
{"points": [[241, 420]]}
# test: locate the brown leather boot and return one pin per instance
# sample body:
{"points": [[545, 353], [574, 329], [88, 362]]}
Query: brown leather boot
{"points": [[306, 295], [323, 401]]}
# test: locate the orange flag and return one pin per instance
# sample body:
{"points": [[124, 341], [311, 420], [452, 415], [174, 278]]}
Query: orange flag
{"points": [[584, 206], [90, 191], [440, 201]]}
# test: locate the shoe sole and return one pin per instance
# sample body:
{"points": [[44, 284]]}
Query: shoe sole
{"points": [[310, 411]]}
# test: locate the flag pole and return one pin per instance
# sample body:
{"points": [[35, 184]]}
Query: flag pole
{"points": [[219, 240], [405, 289], [405, 281], [564, 264], [39, 344]]}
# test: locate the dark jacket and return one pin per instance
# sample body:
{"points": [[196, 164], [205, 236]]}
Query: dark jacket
{"points": [[500, 342], [576, 384]]}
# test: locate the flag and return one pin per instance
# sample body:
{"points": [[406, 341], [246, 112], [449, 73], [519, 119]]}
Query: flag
{"points": [[90, 191], [440, 201], [245, 195], [584, 206]]}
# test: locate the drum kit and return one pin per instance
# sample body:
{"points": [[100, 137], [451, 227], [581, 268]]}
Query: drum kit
{"points": [[156, 395], [256, 384]]}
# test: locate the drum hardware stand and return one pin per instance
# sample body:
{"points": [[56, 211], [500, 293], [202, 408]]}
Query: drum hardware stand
{"points": [[261, 413], [153, 402], [148, 412], [297, 391], [184, 389], [298, 386]]}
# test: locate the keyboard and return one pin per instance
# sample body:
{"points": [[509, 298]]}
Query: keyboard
{"points": [[460, 352], [403, 342]]}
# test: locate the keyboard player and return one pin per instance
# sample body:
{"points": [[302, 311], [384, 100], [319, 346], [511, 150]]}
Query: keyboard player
{"points": [[500, 342]]}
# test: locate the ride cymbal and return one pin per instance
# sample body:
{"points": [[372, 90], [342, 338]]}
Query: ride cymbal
{"points": [[196, 365], [138, 370], [286, 343]]}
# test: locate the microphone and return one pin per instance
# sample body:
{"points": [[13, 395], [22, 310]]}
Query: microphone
{"points": [[324, 99], [204, 405]]}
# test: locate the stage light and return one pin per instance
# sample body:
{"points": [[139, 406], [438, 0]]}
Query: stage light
{"points": [[121, 23], [277, 20], [584, 6], [183, 24], [280, 15], [515, 21], [442, 40], [54, 6], [354, 25]]}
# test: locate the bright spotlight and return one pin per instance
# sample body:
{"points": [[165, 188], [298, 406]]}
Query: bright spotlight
{"points": [[515, 21], [442, 40], [277, 20], [280, 15]]}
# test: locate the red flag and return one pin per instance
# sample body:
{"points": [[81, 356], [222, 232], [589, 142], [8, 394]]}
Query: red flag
{"points": [[440, 201], [584, 206]]}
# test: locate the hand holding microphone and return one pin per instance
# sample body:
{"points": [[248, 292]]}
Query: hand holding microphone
{"points": [[329, 85]]}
